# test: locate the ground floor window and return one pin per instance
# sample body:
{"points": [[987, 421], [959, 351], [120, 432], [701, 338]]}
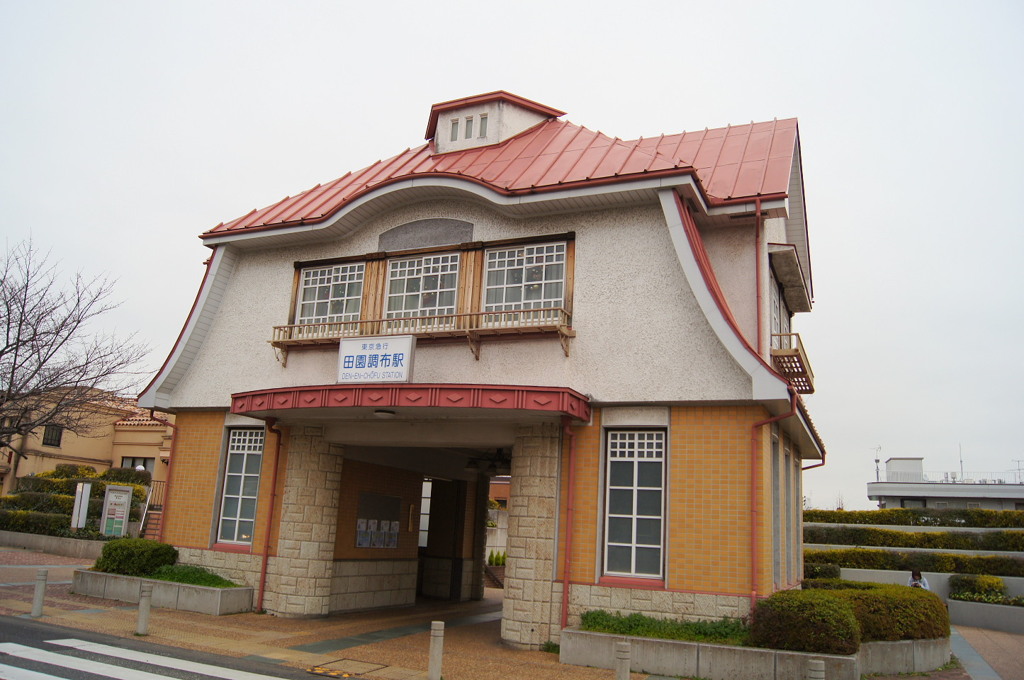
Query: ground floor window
{"points": [[241, 486], [634, 502], [146, 463]]}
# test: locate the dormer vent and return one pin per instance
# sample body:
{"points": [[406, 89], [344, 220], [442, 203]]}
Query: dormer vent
{"points": [[484, 120]]}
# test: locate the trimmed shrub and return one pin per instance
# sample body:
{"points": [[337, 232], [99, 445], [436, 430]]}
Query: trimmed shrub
{"points": [[196, 576], [806, 621], [837, 584], [135, 556], [1006, 519], [68, 471], [1012, 541], [857, 558], [29, 522], [127, 476], [892, 612], [960, 584], [821, 570]]}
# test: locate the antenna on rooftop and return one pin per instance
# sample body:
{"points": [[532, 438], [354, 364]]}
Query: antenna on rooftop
{"points": [[878, 456], [961, 460], [1018, 471]]}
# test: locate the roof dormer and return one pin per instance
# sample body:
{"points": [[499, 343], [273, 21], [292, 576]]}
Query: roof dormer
{"points": [[483, 120]]}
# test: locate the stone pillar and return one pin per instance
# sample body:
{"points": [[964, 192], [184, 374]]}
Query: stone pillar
{"points": [[299, 577], [530, 616]]}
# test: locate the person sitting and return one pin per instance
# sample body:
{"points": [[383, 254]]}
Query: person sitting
{"points": [[917, 580]]}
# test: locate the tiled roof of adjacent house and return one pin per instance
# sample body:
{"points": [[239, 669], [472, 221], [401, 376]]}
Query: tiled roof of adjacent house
{"points": [[735, 162]]}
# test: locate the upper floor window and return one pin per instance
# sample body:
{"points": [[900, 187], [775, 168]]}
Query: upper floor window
{"points": [[483, 125], [634, 503], [525, 277], [135, 462], [469, 126], [52, 435], [328, 294], [455, 130], [423, 286]]}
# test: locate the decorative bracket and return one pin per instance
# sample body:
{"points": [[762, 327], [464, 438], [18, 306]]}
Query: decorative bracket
{"points": [[474, 344], [281, 354]]}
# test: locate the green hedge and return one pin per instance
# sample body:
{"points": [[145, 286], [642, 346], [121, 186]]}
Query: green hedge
{"points": [[894, 612], [947, 563], [960, 584], [59, 504], [135, 556], [926, 517], [806, 621], [47, 524], [1012, 541], [67, 486], [821, 570]]}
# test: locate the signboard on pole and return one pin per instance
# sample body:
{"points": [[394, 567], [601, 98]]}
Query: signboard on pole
{"points": [[384, 359], [117, 503], [80, 513]]}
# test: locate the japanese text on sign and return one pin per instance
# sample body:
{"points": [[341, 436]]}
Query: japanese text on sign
{"points": [[386, 359]]}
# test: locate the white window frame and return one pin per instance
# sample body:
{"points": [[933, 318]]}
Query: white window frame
{"points": [[469, 127], [236, 521], [482, 128], [412, 277], [513, 273], [455, 130], [328, 286], [635, 446]]}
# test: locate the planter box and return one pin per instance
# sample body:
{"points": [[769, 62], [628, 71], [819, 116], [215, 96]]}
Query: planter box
{"points": [[1002, 617], [201, 599], [725, 662]]}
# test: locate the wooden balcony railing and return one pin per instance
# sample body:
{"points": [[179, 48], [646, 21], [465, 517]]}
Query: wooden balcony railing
{"points": [[472, 326], [790, 360]]}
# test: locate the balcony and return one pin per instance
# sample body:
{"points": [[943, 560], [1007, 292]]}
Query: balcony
{"points": [[472, 327], [789, 359]]}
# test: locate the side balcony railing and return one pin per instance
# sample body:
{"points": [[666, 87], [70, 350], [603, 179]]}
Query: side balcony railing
{"points": [[790, 359], [472, 326]]}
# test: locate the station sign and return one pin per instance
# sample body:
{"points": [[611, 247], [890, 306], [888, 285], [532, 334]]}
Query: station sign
{"points": [[376, 359]]}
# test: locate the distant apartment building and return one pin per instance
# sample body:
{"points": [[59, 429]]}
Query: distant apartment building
{"points": [[907, 485]]}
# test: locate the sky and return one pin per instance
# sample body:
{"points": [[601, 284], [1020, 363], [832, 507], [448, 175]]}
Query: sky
{"points": [[127, 128]]}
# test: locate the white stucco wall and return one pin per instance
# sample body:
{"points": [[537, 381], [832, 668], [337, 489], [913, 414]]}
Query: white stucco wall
{"points": [[640, 334], [731, 250]]}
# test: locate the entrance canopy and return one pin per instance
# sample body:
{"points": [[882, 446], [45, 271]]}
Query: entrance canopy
{"points": [[396, 400]]}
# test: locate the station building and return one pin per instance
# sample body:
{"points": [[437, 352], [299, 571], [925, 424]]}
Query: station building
{"points": [[606, 320]]}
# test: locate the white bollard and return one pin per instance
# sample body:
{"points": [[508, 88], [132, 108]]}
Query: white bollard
{"points": [[436, 650], [622, 660], [145, 600], [815, 669], [39, 595]]}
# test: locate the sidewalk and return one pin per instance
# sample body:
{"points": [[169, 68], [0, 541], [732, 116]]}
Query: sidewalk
{"points": [[384, 644]]}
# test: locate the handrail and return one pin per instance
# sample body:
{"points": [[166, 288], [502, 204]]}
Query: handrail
{"points": [[440, 324]]}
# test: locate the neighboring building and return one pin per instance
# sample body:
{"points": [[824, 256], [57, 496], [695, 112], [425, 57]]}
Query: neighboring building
{"points": [[121, 435], [609, 319], [907, 485]]}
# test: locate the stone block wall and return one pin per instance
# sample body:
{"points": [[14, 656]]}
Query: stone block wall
{"points": [[366, 584]]}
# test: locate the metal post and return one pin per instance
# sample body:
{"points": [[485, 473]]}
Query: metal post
{"points": [[39, 595], [815, 669], [145, 599], [436, 650], [622, 660]]}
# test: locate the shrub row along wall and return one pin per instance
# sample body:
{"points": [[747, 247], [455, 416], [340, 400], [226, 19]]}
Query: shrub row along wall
{"points": [[925, 517], [859, 558], [1011, 541]]}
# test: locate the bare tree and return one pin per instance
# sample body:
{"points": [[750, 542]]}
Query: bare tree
{"points": [[54, 362]]}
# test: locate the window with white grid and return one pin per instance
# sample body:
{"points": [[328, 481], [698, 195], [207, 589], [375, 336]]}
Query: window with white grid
{"points": [[329, 294], [525, 277], [634, 504], [422, 286], [241, 486]]}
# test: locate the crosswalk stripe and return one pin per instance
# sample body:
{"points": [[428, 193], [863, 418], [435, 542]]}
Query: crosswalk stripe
{"points": [[165, 661], [15, 673], [86, 665]]}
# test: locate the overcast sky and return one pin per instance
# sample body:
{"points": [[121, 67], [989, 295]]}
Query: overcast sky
{"points": [[130, 127]]}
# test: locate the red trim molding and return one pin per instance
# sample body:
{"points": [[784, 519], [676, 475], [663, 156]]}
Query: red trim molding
{"points": [[553, 400]]}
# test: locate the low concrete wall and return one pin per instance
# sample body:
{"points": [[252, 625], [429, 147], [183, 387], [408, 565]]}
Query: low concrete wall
{"points": [[54, 545], [725, 662], [1001, 617], [201, 599]]}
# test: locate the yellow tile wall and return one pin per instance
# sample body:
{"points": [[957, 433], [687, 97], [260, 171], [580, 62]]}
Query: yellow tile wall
{"points": [[708, 501], [194, 488]]}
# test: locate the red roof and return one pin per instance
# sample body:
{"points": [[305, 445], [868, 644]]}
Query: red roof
{"points": [[735, 162], [500, 95]]}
